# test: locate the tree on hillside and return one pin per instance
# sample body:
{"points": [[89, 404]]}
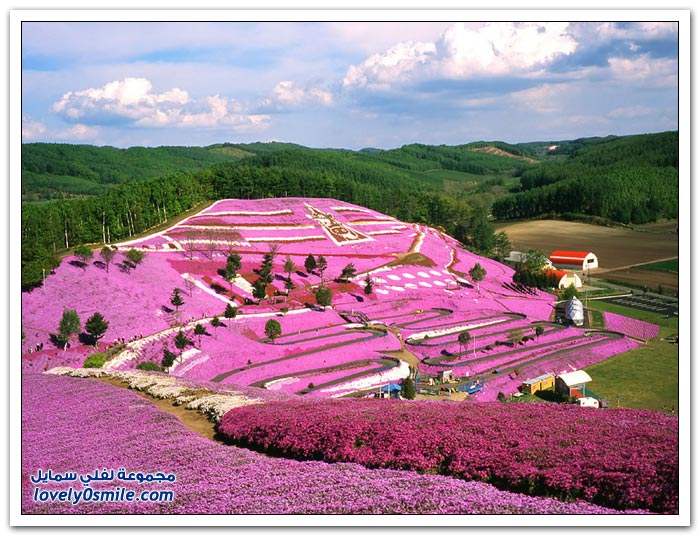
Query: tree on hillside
{"points": [[108, 253], [310, 264], [84, 253], [289, 267], [347, 273], [321, 264], [324, 296], [229, 314], [233, 264], [68, 326], [216, 323], [515, 336], [181, 342], [369, 286], [96, 326], [199, 330], [477, 273], [176, 300], [273, 329], [481, 235], [535, 261], [168, 358], [502, 246], [266, 268], [135, 256], [463, 339], [259, 289], [408, 387]]}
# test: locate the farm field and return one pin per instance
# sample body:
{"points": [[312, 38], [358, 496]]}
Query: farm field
{"points": [[618, 250], [614, 247], [420, 300]]}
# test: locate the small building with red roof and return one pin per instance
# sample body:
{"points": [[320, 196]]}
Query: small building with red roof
{"points": [[574, 260], [565, 279]]}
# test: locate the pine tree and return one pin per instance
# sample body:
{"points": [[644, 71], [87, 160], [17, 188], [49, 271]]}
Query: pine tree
{"points": [[310, 264], [347, 273], [215, 323], [408, 388], [233, 264], [321, 264], [96, 326], [369, 286], [176, 300], [229, 314], [181, 342], [199, 330], [463, 339], [324, 296], [477, 273], [259, 289]]}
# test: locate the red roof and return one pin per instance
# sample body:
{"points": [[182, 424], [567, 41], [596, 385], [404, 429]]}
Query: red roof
{"points": [[558, 273], [578, 256]]}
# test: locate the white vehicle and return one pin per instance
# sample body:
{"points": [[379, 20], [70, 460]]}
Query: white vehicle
{"points": [[588, 402]]}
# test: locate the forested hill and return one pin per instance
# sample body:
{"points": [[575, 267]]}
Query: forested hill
{"points": [[631, 179], [103, 195], [59, 170]]}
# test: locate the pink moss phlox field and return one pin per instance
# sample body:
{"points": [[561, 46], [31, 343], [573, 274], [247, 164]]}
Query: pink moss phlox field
{"points": [[83, 425], [619, 458], [413, 268], [631, 326]]}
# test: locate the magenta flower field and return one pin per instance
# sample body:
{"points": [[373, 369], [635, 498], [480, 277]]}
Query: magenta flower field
{"points": [[354, 455], [624, 459], [78, 426], [420, 288]]}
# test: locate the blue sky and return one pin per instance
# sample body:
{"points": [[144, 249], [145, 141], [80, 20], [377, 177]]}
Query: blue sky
{"points": [[344, 84]]}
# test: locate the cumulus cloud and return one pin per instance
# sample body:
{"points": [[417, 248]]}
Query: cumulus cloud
{"points": [[546, 98], [32, 129], [77, 132], [132, 100], [397, 64], [463, 52], [288, 94]]}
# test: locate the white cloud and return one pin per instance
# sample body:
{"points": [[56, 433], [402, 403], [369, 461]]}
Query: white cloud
{"points": [[546, 98], [32, 129], [77, 133], [288, 94], [399, 63], [132, 100], [662, 72], [502, 48], [493, 49], [631, 112]]}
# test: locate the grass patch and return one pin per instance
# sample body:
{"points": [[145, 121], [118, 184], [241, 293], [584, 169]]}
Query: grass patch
{"points": [[661, 266], [643, 378]]}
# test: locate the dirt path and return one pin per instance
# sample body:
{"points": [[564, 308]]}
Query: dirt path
{"points": [[193, 420]]}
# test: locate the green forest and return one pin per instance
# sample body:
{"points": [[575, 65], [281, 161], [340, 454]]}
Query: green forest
{"points": [[81, 194]]}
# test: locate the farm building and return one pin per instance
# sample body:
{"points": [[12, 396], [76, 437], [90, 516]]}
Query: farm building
{"points": [[541, 383], [572, 384], [446, 376], [566, 279], [575, 260]]}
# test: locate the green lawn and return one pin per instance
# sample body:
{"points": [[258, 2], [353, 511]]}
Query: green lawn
{"points": [[643, 378], [661, 266]]}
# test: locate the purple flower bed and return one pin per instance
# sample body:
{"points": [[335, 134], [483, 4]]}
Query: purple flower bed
{"points": [[82, 425], [631, 326], [618, 458]]}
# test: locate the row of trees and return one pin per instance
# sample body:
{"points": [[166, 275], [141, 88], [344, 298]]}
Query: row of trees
{"points": [[70, 326]]}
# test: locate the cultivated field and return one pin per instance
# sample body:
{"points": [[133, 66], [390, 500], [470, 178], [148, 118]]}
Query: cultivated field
{"points": [[617, 249]]}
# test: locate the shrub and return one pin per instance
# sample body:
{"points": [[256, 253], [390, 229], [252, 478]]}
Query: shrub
{"points": [[149, 365], [96, 360]]}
